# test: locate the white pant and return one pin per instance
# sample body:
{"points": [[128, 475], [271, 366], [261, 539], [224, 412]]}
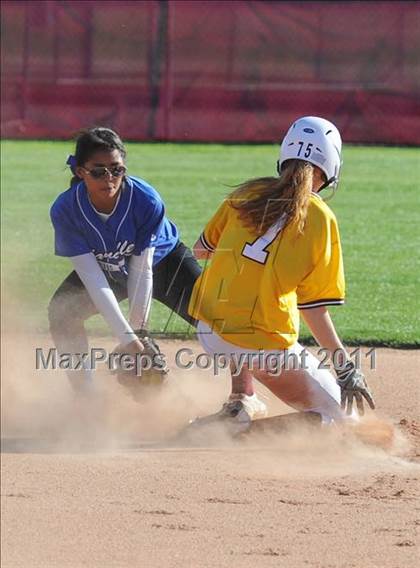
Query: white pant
{"points": [[325, 392]]}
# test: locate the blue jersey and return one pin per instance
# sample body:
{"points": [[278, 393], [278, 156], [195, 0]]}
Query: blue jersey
{"points": [[138, 222]]}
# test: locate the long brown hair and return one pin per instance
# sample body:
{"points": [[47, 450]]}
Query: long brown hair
{"points": [[261, 202]]}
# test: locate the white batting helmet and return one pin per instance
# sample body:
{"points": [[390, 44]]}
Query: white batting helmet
{"points": [[314, 140]]}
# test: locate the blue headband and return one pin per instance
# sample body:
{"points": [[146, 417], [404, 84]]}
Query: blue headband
{"points": [[71, 161]]}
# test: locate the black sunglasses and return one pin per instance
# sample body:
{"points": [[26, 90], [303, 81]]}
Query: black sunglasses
{"points": [[101, 172]]}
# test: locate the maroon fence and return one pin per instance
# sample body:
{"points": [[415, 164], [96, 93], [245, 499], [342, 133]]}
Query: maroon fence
{"points": [[210, 70]]}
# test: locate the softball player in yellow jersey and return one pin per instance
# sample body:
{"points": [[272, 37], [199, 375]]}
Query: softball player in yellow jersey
{"points": [[275, 254]]}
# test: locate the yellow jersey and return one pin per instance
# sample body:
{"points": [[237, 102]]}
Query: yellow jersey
{"points": [[253, 287]]}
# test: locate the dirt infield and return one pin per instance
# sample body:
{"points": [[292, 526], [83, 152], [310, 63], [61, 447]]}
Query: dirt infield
{"points": [[92, 482]]}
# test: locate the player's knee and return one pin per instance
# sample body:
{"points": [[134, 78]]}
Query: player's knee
{"points": [[60, 313]]}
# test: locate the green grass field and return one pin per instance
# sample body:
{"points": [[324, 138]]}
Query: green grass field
{"points": [[377, 206]]}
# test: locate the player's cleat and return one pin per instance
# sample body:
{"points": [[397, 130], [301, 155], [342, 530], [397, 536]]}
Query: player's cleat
{"points": [[236, 414], [251, 405]]}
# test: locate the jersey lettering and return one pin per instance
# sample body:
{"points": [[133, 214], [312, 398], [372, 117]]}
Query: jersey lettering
{"points": [[123, 249], [257, 250]]}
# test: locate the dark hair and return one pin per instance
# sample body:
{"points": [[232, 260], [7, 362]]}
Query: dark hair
{"points": [[93, 140]]}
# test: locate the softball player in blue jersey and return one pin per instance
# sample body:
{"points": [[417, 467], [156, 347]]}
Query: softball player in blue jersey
{"points": [[114, 231]]}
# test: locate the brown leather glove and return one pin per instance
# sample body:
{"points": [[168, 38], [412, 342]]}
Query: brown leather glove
{"points": [[139, 365]]}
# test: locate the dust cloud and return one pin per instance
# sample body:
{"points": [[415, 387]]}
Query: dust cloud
{"points": [[41, 412]]}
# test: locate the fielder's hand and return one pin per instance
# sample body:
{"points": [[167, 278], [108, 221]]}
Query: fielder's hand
{"points": [[157, 358], [139, 365], [353, 385]]}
